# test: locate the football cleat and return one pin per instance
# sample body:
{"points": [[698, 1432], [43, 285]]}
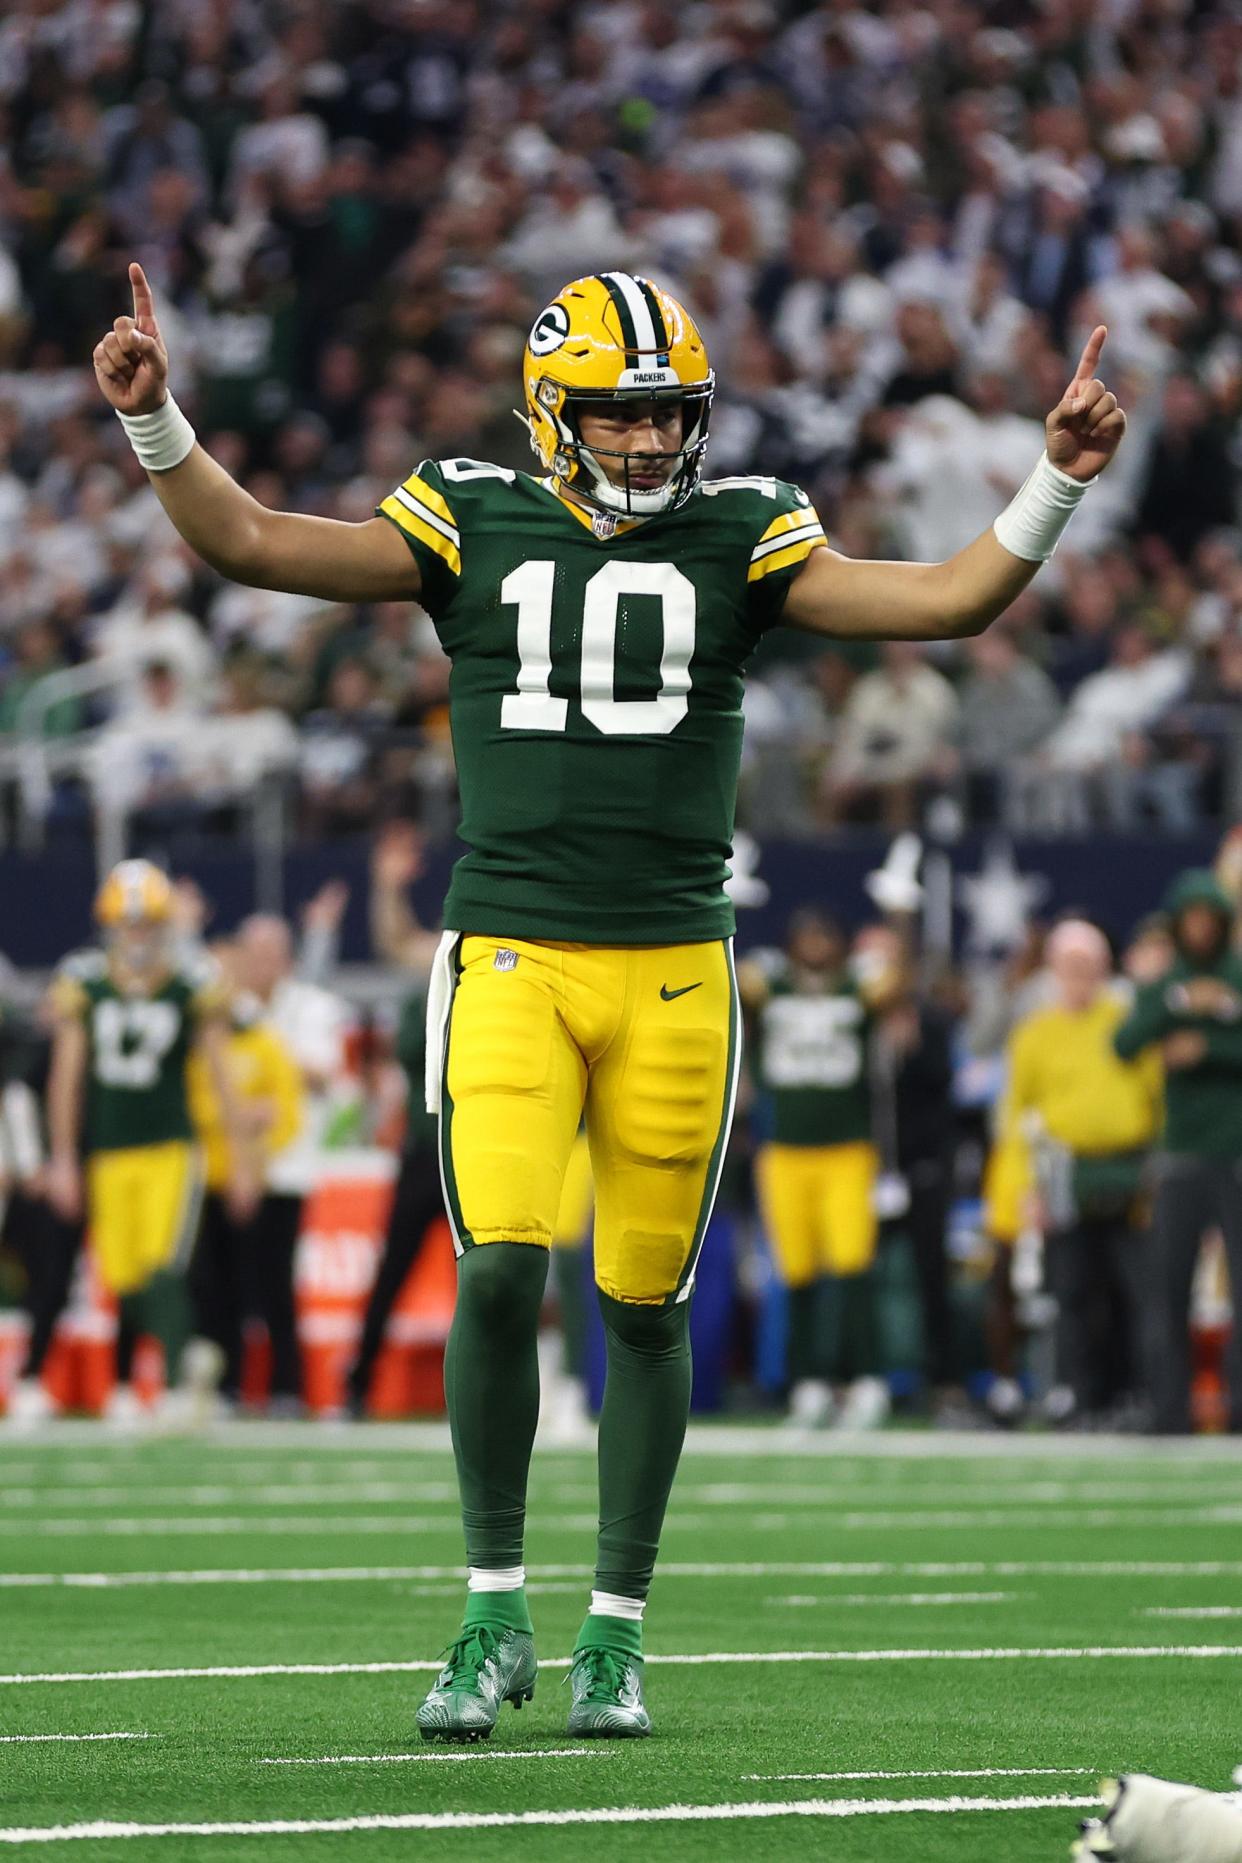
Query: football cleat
{"points": [[1154, 1821], [123, 1409], [867, 1405], [30, 1403], [608, 1696], [812, 1405], [482, 1669]]}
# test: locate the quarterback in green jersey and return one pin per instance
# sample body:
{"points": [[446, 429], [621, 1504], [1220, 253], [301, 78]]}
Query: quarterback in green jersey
{"points": [[598, 615]]}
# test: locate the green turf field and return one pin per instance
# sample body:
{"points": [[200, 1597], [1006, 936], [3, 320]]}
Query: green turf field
{"points": [[836, 1629]]}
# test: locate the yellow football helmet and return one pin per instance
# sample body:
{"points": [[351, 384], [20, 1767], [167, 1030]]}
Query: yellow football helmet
{"points": [[136, 892], [614, 337], [134, 906]]}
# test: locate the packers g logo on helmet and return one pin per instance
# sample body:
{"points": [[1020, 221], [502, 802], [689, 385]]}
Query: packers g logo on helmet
{"points": [[136, 892], [615, 337], [550, 329]]}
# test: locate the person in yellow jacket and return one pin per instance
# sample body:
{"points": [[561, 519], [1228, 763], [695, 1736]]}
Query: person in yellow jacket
{"points": [[1075, 1128], [268, 1087]]}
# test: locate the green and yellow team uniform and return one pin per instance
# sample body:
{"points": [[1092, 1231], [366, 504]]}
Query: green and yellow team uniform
{"points": [[596, 705], [142, 1174], [816, 1174]]}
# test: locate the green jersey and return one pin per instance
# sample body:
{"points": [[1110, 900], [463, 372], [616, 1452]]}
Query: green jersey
{"points": [[813, 1063], [139, 1044], [596, 693]]}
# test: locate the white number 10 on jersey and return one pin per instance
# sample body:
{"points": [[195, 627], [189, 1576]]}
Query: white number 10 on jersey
{"points": [[533, 708]]}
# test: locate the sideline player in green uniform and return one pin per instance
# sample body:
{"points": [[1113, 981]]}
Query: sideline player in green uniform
{"points": [[818, 1166], [127, 1019], [598, 619]]}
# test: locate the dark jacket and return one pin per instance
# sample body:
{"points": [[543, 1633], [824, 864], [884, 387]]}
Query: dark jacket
{"points": [[1203, 1103]]}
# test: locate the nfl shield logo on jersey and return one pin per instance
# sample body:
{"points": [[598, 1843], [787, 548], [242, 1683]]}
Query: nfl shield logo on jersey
{"points": [[505, 959], [603, 524]]}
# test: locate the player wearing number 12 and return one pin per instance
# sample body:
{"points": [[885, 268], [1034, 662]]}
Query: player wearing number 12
{"points": [[598, 615]]}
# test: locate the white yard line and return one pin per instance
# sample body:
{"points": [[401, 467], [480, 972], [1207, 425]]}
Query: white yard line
{"points": [[697, 1659], [914, 1519], [38, 1739], [259, 1493], [830, 1493], [225, 1525], [1192, 1610], [780, 1568], [367, 1525], [469, 1753], [706, 1440], [980, 1772], [837, 1500], [828, 1599], [500, 1820]]}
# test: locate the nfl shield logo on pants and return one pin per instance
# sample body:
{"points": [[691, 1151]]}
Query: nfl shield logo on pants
{"points": [[505, 959]]}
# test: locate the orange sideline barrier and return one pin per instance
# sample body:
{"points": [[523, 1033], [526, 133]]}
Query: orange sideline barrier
{"points": [[338, 1255]]}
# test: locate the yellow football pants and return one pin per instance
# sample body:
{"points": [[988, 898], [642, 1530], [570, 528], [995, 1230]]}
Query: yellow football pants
{"points": [[142, 1206], [641, 1042], [817, 1209], [573, 1216]]}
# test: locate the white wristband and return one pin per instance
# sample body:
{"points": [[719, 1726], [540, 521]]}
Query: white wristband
{"points": [[1030, 526], [162, 439]]}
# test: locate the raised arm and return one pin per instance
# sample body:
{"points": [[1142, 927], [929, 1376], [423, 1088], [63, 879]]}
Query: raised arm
{"points": [[396, 933], [845, 598], [226, 526]]}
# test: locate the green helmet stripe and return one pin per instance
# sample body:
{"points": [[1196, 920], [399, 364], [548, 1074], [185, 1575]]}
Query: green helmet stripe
{"points": [[657, 315], [629, 338]]}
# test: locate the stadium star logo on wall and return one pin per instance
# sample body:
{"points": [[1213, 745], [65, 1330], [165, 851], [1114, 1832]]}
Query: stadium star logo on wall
{"points": [[999, 900]]}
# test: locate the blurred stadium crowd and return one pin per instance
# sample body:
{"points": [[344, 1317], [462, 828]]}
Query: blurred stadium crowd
{"points": [[894, 225]]}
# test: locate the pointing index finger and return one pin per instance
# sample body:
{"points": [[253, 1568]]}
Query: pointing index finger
{"points": [[144, 303], [1090, 356]]}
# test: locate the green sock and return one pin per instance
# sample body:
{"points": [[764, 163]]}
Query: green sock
{"points": [[860, 1323], [622, 1634], [802, 1354], [641, 1429], [491, 1386], [567, 1266], [503, 1610], [832, 1327], [130, 1315], [166, 1314]]}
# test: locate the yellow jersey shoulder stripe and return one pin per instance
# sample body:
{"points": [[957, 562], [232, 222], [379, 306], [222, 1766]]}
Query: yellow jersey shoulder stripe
{"points": [[426, 494], [413, 503], [417, 525], [785, 553], [787, 521]]}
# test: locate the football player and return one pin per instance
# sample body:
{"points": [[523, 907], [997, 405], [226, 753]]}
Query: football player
{"points": [[128, 1016], [816, 1171], [598, 615]]}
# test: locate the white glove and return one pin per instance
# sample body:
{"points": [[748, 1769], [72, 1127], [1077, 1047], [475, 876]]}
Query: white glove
{"points": [[1153, 1821], [895, 886]]}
